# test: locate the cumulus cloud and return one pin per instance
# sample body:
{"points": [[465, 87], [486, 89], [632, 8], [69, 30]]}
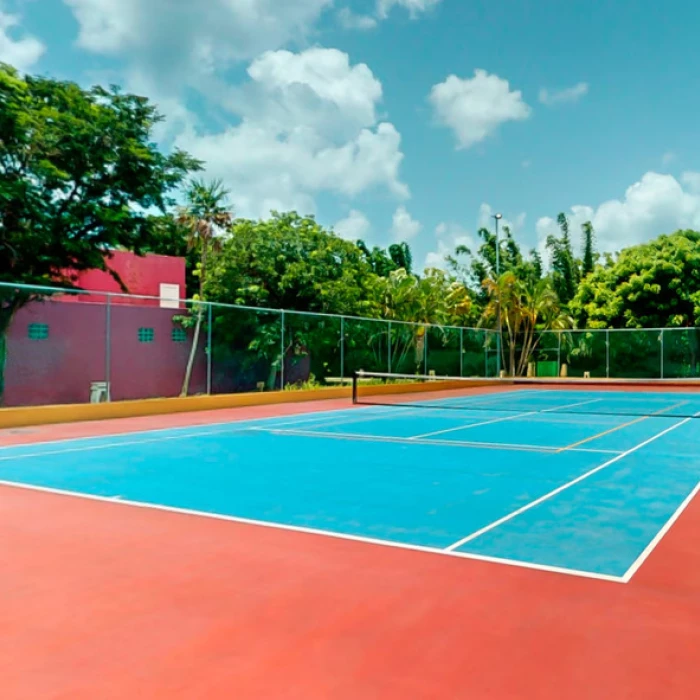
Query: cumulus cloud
{"points": [[655, 204], [475, 107], [349, 20], [182, 39], [414, 7], [23, 52], [448, 235], [311, 127], [567, 95], [403, 226], [353, 227]]}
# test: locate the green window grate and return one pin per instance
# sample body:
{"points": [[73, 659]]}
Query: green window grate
{"points": [[179, 335], [146, 335], [38, 331]]}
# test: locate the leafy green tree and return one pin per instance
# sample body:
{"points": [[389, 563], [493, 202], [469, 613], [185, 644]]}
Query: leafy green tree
{"points": [[474, 268], [589, 255], [651, 285], [401, 256], [78, 171], [565, 269], [206, 218], [383, 262], [526, 309]]}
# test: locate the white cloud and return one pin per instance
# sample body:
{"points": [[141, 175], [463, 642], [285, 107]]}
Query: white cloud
{"points": [[353, 227], [316, 89], [403, 226], [312, 127], [21, 53], [179, 40], [570, 94], [474, 108], [349, 20], [691, 181], [656, 204], [447, 237], [414, 7]]}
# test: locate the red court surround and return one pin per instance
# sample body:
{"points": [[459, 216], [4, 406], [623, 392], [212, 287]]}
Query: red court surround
{"points": [[101, 600]]}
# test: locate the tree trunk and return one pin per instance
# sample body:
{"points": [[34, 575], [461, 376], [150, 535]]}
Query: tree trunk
{"points": [[193, 353]]}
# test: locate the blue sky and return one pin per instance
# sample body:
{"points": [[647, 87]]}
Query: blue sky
{"points": [[407, 119]]}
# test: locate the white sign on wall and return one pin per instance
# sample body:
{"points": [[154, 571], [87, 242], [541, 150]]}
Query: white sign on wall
{"points": [[169, 296]]}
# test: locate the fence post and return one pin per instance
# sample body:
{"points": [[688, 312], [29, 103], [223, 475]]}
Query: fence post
{"points": [[388, 345], [607, 353], [558, 353], [342, 351], [425, 350], [662, 353], [461, 352], [282, 350], [108, 347], [209, 348]]}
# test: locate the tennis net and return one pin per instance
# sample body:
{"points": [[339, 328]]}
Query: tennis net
{"points": [[619, 397]]}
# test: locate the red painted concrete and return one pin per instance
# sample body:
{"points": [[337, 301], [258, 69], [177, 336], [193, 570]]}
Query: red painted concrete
{"points": [[102, 600], [142, 275], [61, 368]]}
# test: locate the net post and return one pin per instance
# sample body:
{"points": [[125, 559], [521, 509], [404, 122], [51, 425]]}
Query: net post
{"points": [[607, 353], [354, 387], [661, 340], [461, 352], [282, 351], [388, 343], [425, 350], [558, 353], [342, 350]]}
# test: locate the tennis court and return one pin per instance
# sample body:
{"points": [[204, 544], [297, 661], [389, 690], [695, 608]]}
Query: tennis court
{"points": [[575, 479], [310, 529]]}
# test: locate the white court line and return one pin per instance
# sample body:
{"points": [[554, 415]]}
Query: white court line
{"points": [[361, 437], [563, 487], [502, 419], [660, 535], [203, 429], [313, 531]]}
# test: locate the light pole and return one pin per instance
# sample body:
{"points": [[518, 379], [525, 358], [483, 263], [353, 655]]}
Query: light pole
{"points": [[497, 218]]}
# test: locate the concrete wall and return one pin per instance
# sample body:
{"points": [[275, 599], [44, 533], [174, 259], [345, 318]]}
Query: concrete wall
{"points": [[60, 368]]}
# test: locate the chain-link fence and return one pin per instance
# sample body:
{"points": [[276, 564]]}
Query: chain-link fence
{"points": [[79, 347]]}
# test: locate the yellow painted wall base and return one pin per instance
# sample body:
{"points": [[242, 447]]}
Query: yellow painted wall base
{"points": [[73, 413]]}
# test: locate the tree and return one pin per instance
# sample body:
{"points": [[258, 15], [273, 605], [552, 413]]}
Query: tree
{"points": [[206, 218], [651, 285], [565, 270], [383, 262], [589, 256], [401, 256], [285, 262], [78, 171], [526, 310], [474, 268]]}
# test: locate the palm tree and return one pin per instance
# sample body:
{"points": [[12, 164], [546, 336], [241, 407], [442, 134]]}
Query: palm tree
{"points": [[206, 218], [526, 309]]}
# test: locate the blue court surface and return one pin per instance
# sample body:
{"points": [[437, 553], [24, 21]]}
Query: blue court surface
{"points": [[583, 482]]}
